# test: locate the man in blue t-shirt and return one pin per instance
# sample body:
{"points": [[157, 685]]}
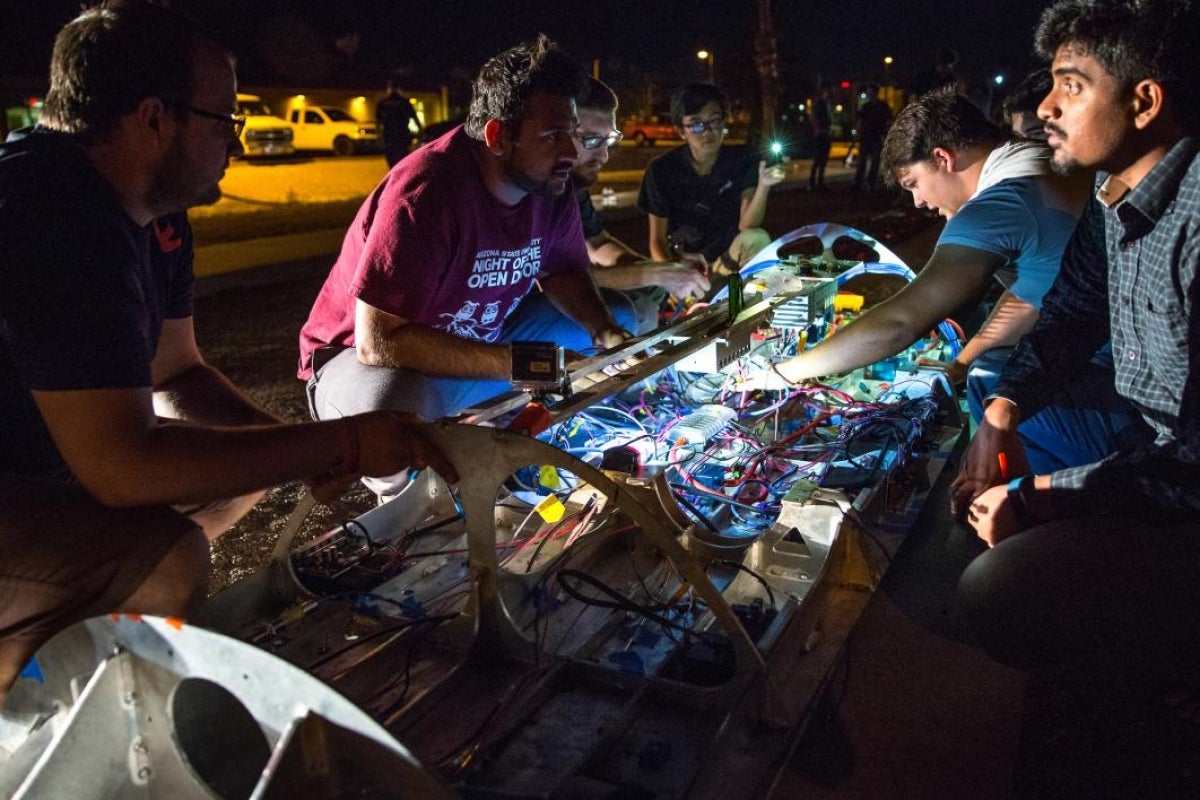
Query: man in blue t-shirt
{"points": [[706, 197], [121, 451], [1009, 219]]}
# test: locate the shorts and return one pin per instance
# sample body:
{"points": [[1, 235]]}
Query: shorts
{"points": [[65, 557]]}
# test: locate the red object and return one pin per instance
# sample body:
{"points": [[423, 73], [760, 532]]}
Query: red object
{"points": [[1003, 459], [532, 420], [845, 84]]}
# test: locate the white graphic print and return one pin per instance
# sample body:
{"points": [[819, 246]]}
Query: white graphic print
{"points": [[489, 312], [494, 274]]}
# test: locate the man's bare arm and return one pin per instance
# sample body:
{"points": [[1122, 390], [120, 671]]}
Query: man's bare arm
{"points": [[953, 276], [754, 201], [187, 388], [575, 295], [606, 250], [660, 249], [385, 340], [115, 445], [1011, 319], [676, 279]]}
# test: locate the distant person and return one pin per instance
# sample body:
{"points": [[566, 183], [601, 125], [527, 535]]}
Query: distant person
{"points": [[706, 197], [413, 315], [942, 73], [1020, 107], [398, 119], [874, 116], [820, 120], [121, 451], [626, 278]]}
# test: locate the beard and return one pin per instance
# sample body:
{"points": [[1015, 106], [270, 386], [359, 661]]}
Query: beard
{"points": [[177, 187], [550, 187], [1064, 168], [586, 174]]}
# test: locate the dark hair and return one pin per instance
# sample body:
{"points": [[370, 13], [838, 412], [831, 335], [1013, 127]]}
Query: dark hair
{"points": [[506, 82], [692, 97], [112, 57], [941, 118], [598, 96], [1133, 40], [1028, 94]]}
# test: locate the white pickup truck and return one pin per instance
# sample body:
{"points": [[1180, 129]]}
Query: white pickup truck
{"points": [[331, 128], [265, 134]]}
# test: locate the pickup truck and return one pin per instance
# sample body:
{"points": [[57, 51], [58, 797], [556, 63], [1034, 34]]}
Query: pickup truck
{"points": [[265, 134], [646, 131], [331, 128]]}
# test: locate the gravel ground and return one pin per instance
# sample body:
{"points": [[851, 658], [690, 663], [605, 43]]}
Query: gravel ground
{"points": [[250, 331]]}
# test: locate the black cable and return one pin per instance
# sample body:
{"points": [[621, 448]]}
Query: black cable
{"points": [[695, 511], [393, 708], [751, 573], [371, 637], [619, 602], [365, 533], [413, 535]]}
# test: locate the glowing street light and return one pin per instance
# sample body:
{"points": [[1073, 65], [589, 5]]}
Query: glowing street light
{"points": [[887, 64], [707, 56]]}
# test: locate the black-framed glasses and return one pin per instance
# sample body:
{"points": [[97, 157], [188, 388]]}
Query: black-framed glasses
{"points": [[592, 141], [714, 124], [234, 122]]}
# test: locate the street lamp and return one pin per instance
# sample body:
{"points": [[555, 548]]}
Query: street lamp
{"points": [[887, 64], [707, 56]]}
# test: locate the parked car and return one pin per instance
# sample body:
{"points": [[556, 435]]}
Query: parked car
{"points": [[265, 134], [331, 128], [646, 131]]}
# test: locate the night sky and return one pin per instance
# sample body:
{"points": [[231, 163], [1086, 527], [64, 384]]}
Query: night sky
{"points": [[639, 42]]}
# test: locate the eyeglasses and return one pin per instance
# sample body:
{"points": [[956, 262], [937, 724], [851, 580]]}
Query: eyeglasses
{"points": [[235, 123], [714, 124], [593, 141]]}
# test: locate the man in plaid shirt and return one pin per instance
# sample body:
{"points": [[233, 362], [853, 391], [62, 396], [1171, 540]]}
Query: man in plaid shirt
{"points": [[1098, 564]]}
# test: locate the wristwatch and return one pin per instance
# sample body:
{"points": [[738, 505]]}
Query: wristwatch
{"points": [[1020, 492]]}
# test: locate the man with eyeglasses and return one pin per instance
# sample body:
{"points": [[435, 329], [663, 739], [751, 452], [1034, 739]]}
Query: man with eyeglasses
{"points": [[706, 197], [625, 277], [415, 313], [121, 451]]}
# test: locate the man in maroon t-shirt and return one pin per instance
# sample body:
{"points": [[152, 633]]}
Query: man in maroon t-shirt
{"points": [[412, 315]]}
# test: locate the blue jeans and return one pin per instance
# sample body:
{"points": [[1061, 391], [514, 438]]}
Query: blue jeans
{"points": [[342, 386], [1085, 421]]}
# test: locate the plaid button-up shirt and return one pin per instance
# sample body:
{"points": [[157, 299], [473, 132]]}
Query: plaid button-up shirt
{"points": [[1129, 273]]}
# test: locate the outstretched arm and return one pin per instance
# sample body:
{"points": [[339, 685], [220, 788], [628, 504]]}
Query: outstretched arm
{"points": [[953, 276]]}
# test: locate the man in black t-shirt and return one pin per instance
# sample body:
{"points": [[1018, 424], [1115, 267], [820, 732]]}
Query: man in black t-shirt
{"points": [[121, 451], [706, 197]]}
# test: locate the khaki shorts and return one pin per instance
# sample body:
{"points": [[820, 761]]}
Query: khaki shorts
{"points": [[65, 557]]}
